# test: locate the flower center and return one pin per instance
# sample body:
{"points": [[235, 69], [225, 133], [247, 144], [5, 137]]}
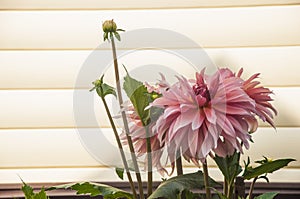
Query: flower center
{"points": [[201, 89]]}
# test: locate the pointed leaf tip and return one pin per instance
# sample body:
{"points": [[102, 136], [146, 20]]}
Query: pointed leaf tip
{"points": [[266, 166], [120, 173]]}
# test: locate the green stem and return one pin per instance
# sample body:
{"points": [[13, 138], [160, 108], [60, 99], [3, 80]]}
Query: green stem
{"points": [[206, 182], [149, 162], [125, 122], [225, 187], [179, 163], [230, 190], [252, 188], [120, 148]]}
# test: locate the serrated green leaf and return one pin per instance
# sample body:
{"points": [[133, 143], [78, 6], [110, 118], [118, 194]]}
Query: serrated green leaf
{"points": [[138, 96], [266, 167], [269, 195], [120, 173], [41, 195], [27, 190], [229, 166], [29, 194], [177, 185], [95, 189]]}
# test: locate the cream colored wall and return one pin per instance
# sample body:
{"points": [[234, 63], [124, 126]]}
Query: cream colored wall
{"points": [[43, 45]]}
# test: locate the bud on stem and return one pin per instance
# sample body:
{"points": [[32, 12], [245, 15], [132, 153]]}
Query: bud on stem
{"points": [[110, 29]]}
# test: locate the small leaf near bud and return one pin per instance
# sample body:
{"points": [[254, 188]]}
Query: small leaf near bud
{"points": [[117, 36], [102, 88]]}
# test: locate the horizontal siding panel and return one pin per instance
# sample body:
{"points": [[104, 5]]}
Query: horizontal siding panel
{"points": [[134, 4], [41, 69], [68, 109], [43, 148], [67, 150], [217, 27], [63, 175], [279, 66]]}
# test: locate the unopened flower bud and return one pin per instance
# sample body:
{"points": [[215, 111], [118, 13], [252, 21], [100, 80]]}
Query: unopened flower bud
{"points": [[109, 26], [97, 83]]}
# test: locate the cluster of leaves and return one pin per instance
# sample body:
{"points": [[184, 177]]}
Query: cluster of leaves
{"points": [[172, 188], [111, 34], [231, 168], [179, 186], [95, 189], [29, 193]]}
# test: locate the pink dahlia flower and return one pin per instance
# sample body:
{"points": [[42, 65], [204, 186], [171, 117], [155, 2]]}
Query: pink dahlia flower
{"points": [[211, 113], [261, 95], [263, 109]]}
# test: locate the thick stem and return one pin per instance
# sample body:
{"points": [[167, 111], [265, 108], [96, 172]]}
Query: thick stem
{"points": [[230, 190], [179, 163], [252, 188], [123, 157], [179, 168], [239, 187], [125, 122], [206, 182], [149, 162], [225, 187]]}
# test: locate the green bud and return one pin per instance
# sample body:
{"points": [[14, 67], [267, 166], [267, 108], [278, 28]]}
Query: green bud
{"points": [[97, 83], [109, 26]]}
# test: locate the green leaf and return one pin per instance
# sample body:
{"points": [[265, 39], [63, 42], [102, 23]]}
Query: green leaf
{"points": [[269, 195], [117, 35], [29, 194], [102, 88], [95, 189], [27, 190], [138, 96], [266, 167], [120, 173], [41, 195], [105, 36], [172, 187], [229, 166], [187, 194], [105, 89]]}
